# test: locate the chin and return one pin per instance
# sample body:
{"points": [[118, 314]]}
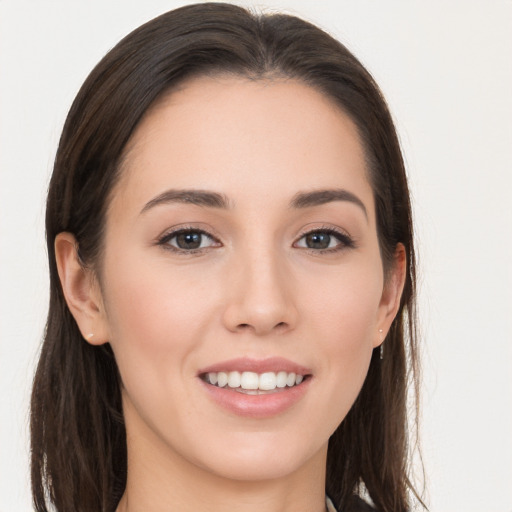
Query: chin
{"points": [[261, 456]]}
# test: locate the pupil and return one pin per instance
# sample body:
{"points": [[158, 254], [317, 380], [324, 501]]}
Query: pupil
{"points": [[318, 240], [188, 240]]}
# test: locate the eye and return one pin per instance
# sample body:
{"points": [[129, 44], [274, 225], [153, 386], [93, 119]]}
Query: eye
{"points": [[327, 239], [188, 240]]}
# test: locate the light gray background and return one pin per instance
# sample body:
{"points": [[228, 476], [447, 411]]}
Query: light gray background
{"points": [[446, 70]]}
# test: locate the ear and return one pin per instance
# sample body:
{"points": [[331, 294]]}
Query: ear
{"points": [[81, 290], [392, 292]]}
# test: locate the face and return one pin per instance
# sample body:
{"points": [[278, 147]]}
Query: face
{"points": [[241, 245]]}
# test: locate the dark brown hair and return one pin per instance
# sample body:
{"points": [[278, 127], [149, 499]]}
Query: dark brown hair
{"points": [[77, 429]]}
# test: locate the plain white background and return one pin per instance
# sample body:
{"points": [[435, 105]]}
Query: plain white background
{"points": [[445, 68]]}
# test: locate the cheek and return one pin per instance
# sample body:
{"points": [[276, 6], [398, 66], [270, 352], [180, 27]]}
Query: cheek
{"points": [[344, 306], [154, 322], [157, 319], [343, 314], [154, 302]]}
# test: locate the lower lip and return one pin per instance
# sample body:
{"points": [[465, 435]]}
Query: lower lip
{"points": [[257, 406]]}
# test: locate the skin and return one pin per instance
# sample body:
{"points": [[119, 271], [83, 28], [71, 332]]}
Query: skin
{"points": [[254, 289]]}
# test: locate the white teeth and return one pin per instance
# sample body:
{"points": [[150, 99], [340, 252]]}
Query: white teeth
{"points": [[222, 379], [282, 377], [234, 379], [290, 379], [253, 381], [267, 381], [249, 380]]}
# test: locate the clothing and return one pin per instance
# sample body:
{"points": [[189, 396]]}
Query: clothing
{"points": [[357, 505], [330, 506]]}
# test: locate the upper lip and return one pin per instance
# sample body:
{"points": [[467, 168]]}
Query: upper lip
{"points": [[245, 364]]}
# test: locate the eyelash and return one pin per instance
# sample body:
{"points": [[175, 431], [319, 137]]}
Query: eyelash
{"points": [[165, 239], [345, 241]]}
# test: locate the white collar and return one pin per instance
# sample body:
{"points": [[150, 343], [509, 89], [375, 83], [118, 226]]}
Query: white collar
{"points": [[329, 504]]}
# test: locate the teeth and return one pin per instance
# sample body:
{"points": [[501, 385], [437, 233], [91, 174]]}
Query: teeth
{"points": [[249, 380], [267, 381], [234, 379], [282, 377], [222, 379], [253, 381]]}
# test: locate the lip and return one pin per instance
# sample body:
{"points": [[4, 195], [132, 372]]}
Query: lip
{"points": [[257, 406], [245, 364]]}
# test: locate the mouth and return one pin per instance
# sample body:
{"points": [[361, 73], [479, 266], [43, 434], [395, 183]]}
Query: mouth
{"points": [[252, 383], [256, 388]]}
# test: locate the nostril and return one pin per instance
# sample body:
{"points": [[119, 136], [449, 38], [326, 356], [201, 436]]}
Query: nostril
{"points": [[246, 326], [281, 327]]}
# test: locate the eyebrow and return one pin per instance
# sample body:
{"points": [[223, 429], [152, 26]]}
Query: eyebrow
{"points": [[197, 197], [216, 200], [319, 197]]}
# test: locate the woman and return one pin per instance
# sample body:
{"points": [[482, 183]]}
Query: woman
{"points": [[232, 276]]}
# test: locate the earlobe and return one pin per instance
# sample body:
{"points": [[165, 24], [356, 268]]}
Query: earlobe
{"points": [[81, 290], [392, 292]]}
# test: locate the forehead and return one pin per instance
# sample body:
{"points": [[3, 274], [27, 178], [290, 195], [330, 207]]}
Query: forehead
{"points": [[246, 137]]}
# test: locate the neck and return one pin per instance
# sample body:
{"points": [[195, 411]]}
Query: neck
{"points": [[161, 480], [271, 496]]}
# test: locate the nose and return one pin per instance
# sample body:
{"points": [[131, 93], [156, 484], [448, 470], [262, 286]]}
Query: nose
{"points": [[261, 298]]}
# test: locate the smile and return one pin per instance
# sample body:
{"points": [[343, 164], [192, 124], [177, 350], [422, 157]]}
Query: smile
{"points": [[256, 388], [252, 382]]}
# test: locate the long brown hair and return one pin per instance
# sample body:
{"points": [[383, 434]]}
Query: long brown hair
{"points": [[77, 429]]}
